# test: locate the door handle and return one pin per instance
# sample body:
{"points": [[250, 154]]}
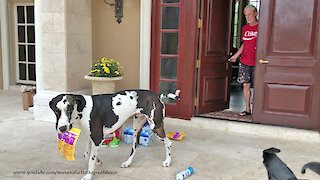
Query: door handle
{"points": [[261, 61]]}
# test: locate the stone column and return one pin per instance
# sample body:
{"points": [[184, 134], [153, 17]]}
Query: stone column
{"points": [[63, 50]]}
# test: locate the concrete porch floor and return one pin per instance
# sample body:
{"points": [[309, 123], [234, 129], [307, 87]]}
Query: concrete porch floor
{"points": [[215, 149]]}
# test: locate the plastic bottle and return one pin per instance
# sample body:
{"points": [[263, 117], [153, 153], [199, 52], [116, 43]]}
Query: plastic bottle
{"points": [[184, 174]]}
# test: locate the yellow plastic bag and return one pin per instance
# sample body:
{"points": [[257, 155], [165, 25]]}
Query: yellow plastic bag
{"points": [[67, 142], [176, 135]]}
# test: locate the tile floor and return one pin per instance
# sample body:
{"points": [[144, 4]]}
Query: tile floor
{"points": [[29, 146]]}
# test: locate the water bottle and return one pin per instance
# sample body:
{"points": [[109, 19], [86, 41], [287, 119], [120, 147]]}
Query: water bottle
{"points": [[184, 174]]}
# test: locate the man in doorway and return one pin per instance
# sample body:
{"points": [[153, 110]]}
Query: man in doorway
{"points": [[248, 55]]}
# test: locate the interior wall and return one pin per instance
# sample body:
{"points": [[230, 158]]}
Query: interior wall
{"points": [[118, 41]]}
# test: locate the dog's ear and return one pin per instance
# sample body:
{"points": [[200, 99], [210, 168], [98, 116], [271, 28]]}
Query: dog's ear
{"points": [[80, 101], [51, 104], [271, 150], [54, 101]]}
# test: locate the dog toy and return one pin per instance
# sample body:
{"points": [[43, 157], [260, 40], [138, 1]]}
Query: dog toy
{"points": [[176, 135], [67, 142]]}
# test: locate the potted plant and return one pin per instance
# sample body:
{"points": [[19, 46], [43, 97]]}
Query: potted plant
{"points": [[103, 75]]}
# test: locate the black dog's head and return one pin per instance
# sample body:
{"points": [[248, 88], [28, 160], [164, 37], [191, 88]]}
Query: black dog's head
{"points": [[277, 170], [268, 153], [64, 106]]}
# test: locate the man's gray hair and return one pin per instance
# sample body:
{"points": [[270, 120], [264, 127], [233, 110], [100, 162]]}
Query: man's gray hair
{"points": [[251, 7]]}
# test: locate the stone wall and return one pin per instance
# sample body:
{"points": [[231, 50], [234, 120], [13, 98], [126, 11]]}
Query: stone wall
{"points": [[66, 44]]}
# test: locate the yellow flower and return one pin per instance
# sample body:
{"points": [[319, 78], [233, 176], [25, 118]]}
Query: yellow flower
{"points": [[107, 70]]}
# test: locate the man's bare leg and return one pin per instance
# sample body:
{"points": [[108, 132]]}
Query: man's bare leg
{"points": [[247, 95]]}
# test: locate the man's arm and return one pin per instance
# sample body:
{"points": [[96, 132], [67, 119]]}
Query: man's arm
{"points": [[237, 54]]}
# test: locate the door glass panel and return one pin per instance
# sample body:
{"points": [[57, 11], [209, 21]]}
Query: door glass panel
{"points": [[22, 71], [169, 43], [30, 34], [25, 44], [170, 1], [31, 53], [22, 53], [32, 72], [30, 14], [169, 46], [20, 14], [168, 87], [170, 17], [168, 68], [21, 34]]}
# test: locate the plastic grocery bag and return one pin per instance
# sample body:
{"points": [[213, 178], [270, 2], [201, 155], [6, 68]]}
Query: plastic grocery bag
{"points": [[67, 143]]}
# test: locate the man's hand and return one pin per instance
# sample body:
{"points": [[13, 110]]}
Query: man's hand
{"points": [[233, 58]]}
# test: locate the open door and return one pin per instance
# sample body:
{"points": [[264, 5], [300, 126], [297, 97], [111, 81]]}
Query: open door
{"points": [[215, 71], [286, 89], [173, 52]]}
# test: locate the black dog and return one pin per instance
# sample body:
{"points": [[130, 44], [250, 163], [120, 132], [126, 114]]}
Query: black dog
{"points": [[277, 169], [314, 166]]}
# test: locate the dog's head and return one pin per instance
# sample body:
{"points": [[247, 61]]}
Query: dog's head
{"points": [[276, 168], [270, 152], [65, 106]]}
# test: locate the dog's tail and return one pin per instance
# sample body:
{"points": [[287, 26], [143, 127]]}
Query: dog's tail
{"points": [[314, 166], [174, 96]]}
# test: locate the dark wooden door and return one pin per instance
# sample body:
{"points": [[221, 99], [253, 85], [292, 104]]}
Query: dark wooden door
{"points": [[286, 90], [215, 71], [173, 49]]}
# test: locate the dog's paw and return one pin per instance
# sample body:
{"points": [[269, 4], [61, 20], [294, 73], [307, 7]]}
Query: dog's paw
{"points": [[98, 162], [125, 164], [86, 155], [87, 177], [166, 163]]}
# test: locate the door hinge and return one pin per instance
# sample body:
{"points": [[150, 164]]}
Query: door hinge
{"points": [[200, 23], [196, 101], [198, 63]]}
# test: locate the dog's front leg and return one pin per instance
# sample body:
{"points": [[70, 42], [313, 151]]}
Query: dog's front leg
{"points": [[138, 122], [88, 149], [92, 160]]}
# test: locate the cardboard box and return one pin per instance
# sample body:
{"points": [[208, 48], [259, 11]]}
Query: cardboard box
{"points": [[27, 100]]}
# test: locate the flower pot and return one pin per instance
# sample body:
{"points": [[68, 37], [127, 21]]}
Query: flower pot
{"points": [[102, 85]]}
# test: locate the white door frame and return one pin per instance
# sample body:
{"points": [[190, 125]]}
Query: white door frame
{"points": [[145, 43], [5, 43]]}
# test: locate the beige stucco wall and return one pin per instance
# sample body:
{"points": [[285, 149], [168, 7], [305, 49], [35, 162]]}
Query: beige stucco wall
{"points": [[118, 41]]}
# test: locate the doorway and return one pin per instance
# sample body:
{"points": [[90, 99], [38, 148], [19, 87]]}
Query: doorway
{"points": [[236, 99], [287, 60]]}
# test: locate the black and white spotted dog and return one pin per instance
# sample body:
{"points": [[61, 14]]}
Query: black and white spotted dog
{"points": [[99, 115]]}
